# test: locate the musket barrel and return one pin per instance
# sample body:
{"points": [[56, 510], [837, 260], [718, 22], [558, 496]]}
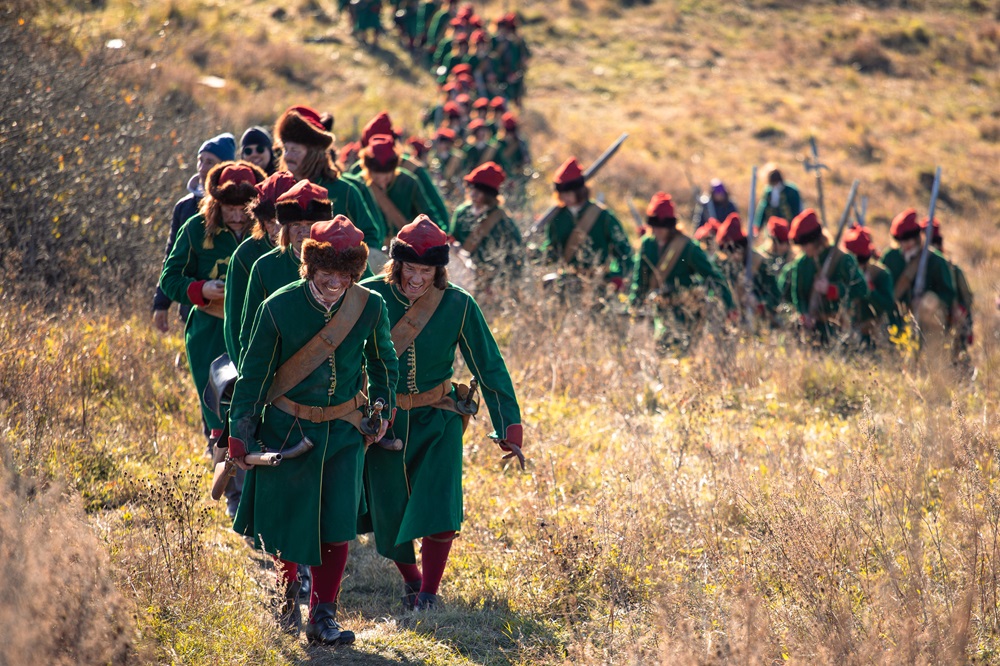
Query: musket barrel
{"points": [[920, 283]]}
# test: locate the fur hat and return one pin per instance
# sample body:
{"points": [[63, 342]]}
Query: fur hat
{"points": [[660, 211], [488, 176], [234, 183], [805, 227], [304, 202], [300, 124], [337, 246], [569, 176], [268, 191], [420, 242], [778, 227], [904, 226], [730, 232]]}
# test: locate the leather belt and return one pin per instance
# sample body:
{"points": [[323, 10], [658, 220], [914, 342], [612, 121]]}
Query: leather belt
{"points": [[408, 401], [317, 414]]}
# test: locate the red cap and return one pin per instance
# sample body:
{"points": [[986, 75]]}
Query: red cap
{"points": [[489, 174], [303, 193], [451, 108], [661, 206], [444, 134], [272, 187], [382, 149], [461, 68], [509, 121], [707, 230], [475, 124], [481, 103], [420, 242], [339, 232], [466, 11], [465, 79], [478, 37], [448, 87], [905, 225], [730, 231], [310, 115], [778, 227], [805, 227], [418, 145], [937, 227], [858, 241], [236, 174], [569, 176], [380, 124], [498, 102], [463, 99], [345, 152]]}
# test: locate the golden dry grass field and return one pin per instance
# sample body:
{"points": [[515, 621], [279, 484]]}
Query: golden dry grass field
{"points": [[749, 502]]}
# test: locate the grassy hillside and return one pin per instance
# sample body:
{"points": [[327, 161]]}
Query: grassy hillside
{"points": [[750, 502]]}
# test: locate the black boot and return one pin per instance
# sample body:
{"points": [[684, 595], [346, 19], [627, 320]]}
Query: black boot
{"points": [[324, 628], [425, 601], [305, 578], [289, 614], [410, 591]]}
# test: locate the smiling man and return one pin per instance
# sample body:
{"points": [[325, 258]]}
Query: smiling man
{"points": [[319, 350], [416, 492]]}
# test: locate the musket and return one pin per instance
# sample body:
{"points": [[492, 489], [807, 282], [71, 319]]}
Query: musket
{"points": [[549, 214], [748, 286], [920, 283], [639, 222], [227, 468], [816, 298], [372, 423], [818, 167], [861, 213]]}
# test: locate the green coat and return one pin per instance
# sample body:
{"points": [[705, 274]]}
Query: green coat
{"points": [[196, 257], [693, 267], [846, 277], [607, 242], [765, 285], [270, 273], [880, 301], [407, 195], [938, 275], [237, 281], [293, 508], [417, 492], [789, 205], [428, 191], [502, 247]]}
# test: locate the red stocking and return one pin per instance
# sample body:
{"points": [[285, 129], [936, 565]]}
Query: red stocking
{"points": [[410, 572], [434, 553], [288, 572], [326, 577]]}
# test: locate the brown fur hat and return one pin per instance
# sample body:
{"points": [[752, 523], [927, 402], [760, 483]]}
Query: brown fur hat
{"points": [[336, 246], [300, 124], [234, 183], [304, 202]]}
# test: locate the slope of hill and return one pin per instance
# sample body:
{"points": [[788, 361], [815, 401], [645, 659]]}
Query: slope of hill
{"points": [[751, 502]]}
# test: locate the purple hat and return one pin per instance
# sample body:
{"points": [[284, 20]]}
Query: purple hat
{"points": [[718, 187]]}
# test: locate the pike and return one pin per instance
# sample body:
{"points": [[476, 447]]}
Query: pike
{"points": [[815, 297], [549, 214], [750, 235], [227, 468], [920, 283], [817, 166]]}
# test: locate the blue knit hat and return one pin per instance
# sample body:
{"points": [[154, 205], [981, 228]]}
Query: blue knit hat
{"points": [[222, 146]]}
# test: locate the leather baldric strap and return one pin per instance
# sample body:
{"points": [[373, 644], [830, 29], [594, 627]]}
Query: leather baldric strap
{"points": [[490, 154], [481, 230], [668, 262], [322, 345], [410, 324], [392, 214], [345, 411], [581, 231], [411, 164], [906, 278], [451, 168], [408, 401], [216, 308]]}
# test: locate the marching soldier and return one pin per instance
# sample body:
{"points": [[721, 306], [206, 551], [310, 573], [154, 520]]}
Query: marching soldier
{"points": [[961, 310], [195, 275], [584, 235], [477, 145], [705, 235], [264, 232], [878, 308], [718, 205], [305, 144], [843, 280], [732, 242], [484, 229], [446, 162], [780, 199], [668, 264], [396, 191], [903, 261], [779, 253], [319, 346], [431, 319]]}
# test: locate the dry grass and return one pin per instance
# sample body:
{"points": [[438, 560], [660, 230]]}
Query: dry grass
{"points": [[746, 502]]}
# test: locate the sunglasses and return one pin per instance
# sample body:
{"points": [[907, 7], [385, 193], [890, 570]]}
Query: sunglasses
{"points": [[251, 149]]}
